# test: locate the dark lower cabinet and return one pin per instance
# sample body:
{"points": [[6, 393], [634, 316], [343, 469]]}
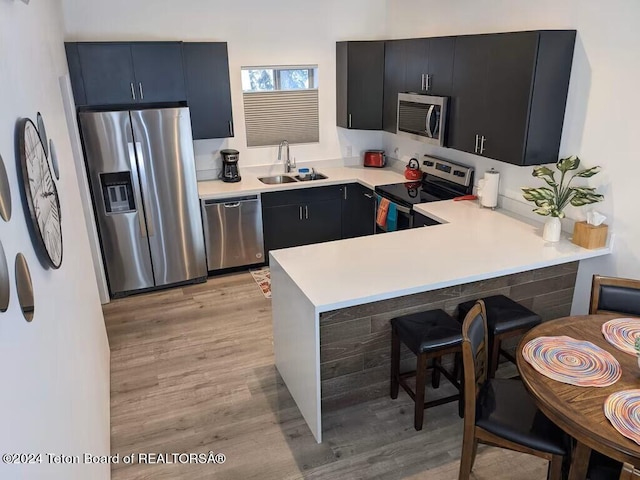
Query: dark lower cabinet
{"points": [[208, 89], [300, 217], [359, 84], [358, 211], [420, 220]]}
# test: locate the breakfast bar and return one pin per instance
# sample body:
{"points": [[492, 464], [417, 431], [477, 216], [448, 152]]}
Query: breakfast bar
{"points": [[332, 301]]}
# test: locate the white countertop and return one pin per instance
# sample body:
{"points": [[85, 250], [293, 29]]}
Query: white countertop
{"points": [[369, 177], [474, 244]]}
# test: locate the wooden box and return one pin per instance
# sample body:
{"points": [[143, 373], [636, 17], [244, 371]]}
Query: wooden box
{"points": [[590, 236]]}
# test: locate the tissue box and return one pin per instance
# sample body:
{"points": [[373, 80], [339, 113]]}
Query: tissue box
{"points": [[590, 236]]}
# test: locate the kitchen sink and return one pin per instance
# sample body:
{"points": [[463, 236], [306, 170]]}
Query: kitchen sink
{"points": [[277, 179], [317, 176]]}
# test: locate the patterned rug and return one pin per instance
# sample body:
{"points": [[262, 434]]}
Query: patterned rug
{"points": [[262, 277]]}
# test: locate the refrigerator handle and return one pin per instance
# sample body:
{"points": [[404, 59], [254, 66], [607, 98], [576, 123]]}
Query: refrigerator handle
{"points": [[145, 183], [136, 189]]}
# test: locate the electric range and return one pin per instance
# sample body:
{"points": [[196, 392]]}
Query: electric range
{"points": [[441, 180]]}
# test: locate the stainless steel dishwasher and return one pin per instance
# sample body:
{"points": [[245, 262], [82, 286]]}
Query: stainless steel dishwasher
{"points": [[233, 232]]}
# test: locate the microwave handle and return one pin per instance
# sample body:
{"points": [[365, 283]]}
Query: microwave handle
{"points": [[428, 121]]}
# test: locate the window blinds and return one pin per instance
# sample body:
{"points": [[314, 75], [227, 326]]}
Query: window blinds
{"points": [[271, 117]]}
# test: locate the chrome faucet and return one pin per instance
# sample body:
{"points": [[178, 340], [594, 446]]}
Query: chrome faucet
{"points": [[288, 164]]}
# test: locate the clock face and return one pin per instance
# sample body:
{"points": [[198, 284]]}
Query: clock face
{"points": [[41, 192]]}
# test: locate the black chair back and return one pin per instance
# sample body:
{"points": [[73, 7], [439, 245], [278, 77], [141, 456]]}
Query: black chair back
{"points": [[475, 358], [615, 295]]}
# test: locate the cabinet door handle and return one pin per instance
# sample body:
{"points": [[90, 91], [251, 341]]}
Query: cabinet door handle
{"points": [[428, 82], [230, 128], [141, 92], [345, 192], [422, 82], [306, 212], [482, 145], [368, 195], [477, 140], [349, 120], [300, 212], [133, 91]]}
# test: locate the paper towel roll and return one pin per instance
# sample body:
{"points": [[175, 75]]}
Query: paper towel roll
{"points": [[488, 189]]}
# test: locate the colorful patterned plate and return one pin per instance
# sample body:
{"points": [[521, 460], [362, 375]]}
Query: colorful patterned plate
{"points": [[622, 333], [572, 361], [623, 411]]}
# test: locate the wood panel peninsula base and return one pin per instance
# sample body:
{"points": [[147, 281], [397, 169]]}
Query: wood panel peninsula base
{"points": [[355, 341], [332, 302]]}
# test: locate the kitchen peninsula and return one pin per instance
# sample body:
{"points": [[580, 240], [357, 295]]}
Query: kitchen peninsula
{"points": [[332, 301]]}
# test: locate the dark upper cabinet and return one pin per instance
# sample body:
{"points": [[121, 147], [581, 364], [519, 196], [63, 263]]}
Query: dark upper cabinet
{"points": [[509, 95], [467, 102], [440, 68], [420, 65], [394, 82], [159, 71], [358, 211], [359, 84], [118, 73], [208, 89], [107, 73], [416, 64]]}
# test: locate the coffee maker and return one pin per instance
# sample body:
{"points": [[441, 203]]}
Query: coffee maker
{"points": [[230, 172]]}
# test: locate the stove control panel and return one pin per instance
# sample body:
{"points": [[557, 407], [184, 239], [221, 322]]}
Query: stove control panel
{"points": [[453, 172]]}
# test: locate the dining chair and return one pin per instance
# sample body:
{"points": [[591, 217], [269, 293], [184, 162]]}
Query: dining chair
{"points": [[500, 412], [615, 295]]}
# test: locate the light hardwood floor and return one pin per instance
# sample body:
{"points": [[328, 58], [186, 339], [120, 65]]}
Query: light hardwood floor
{"points": [[192, 370]]}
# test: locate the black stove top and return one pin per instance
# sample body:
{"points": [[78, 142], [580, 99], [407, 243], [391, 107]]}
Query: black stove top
{"points": [[441, 180], [412, 193]]}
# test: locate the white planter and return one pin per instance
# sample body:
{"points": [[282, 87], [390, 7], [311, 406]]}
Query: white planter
{"points": [[552, 229]]}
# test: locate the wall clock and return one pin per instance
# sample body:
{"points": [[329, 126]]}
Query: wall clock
{"points": [[41, 193]]}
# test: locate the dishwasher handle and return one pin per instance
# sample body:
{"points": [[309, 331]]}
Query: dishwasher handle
{"points": [[230, 202]]}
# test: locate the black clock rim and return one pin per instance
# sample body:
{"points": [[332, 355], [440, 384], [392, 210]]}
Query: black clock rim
{"points": [[22, 124]]}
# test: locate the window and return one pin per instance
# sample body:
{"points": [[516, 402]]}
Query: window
{"points": [[280, 103]]}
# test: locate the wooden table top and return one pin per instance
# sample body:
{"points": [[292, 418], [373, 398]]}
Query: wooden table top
{"points": [[579, 411]]}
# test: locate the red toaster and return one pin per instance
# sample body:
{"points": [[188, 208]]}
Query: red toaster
{"points": [[375, 158]]}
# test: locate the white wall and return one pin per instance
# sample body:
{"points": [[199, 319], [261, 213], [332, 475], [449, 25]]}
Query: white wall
{"points": [[601, 123], [279, 32], [55, 370]]}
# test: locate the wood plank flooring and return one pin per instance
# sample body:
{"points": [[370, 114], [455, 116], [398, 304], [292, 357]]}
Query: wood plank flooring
{"points": [[192, 370]]}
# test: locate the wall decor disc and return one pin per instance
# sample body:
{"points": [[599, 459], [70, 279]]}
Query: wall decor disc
{"points": [[5, 193], [53, 156], [42, 131], [41, 194], [4, 281], [24, 287]]}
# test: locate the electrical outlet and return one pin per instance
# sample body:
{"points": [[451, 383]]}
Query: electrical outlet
{"points": [[349, 151]]}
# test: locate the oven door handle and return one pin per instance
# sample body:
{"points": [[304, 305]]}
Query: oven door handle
{"points": [[399, 208]]}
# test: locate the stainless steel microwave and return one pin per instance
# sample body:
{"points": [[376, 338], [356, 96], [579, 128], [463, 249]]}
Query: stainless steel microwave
{"points": [[422, 117]]}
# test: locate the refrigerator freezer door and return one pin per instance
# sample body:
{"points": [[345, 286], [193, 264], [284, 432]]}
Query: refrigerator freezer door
{"points": [[164, 148], [112, 168]]}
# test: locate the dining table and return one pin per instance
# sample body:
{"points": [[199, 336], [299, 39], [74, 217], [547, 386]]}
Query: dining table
{"points": [[579, 410]]}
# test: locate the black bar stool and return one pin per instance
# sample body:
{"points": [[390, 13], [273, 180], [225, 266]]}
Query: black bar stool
{"points": [[506, 318], [429, 335]]}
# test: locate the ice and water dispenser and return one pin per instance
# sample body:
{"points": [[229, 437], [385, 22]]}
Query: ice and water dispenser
{"points": [[117, 192]]}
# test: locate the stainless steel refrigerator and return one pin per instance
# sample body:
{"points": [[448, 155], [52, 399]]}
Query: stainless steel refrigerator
{"points": [[143, 180]]}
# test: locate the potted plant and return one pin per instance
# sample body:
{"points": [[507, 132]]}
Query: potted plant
{"points": [[550, 201]]}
